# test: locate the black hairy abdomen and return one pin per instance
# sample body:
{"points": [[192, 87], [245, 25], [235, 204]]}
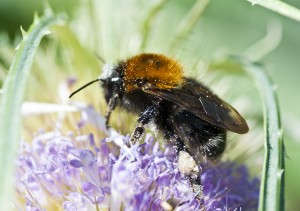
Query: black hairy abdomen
{"points": [[200, 138], [198, 135]]}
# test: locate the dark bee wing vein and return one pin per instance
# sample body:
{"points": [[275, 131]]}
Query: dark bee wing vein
{"points": [[202, 105]]}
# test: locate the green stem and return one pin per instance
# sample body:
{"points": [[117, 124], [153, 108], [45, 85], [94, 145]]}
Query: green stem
{"points": [[272, 183], [13, 93], [272, 180]]}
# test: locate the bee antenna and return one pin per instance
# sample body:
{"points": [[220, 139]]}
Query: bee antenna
{"points": [[89, 83]]}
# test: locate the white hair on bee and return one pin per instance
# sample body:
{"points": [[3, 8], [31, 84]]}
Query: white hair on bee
{"points": [[115, 79], [106, 71]]}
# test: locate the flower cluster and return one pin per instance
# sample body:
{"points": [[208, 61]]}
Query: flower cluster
{"points": [[69, 172]]}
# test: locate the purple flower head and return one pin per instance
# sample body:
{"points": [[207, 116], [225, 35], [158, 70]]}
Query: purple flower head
{"points": [[86, 173]]}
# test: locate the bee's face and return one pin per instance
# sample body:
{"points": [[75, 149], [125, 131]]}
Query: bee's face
{"points": [[111, 82]]}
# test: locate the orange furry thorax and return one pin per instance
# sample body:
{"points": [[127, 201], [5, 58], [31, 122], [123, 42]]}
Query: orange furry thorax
{"points": [[159, 70]]}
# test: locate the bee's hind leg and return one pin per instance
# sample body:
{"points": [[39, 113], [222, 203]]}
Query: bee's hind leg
{"points": [[189, 167]]}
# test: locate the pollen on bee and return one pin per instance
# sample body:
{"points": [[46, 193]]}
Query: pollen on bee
{"points": [[164, 72]]}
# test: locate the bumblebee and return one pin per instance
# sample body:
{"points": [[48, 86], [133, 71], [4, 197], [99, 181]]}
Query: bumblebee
{"points": [[183, 110]]}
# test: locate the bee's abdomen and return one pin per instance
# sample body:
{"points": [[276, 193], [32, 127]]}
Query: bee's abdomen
{"points": [[199, 136]]}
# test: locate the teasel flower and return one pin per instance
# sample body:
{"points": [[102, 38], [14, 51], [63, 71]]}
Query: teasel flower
{"points": [[83, 172]]}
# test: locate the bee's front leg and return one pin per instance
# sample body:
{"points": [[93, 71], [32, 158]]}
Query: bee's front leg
{"points": [[111, 106], [144, 119]]}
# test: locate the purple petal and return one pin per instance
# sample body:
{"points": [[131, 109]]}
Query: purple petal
{"points": [[76, 163]]}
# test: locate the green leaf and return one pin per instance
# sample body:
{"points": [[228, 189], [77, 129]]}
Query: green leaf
{"points": [[272, 180], [10, 105]]}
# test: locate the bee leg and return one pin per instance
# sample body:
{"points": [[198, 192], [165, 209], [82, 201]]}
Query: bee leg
{"points": [[178, 144], [195, 182], [137, 133], [111, 106], [144, 118], [188, 166]]}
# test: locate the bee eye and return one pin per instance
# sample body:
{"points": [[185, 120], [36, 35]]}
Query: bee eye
{"points": [[140, 82]]}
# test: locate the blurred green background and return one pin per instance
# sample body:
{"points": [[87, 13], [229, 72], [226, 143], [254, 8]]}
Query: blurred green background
{"points": [[230, 26]]}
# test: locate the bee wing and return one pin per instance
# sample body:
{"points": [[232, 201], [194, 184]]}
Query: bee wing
{"points": [[200, 101]]}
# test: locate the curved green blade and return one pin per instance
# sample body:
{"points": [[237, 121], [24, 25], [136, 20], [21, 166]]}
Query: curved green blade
{"points": [[272, 180], [11, 100]]}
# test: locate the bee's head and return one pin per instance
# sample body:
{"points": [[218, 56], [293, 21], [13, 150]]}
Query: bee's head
{"points": [[132, 74], [110, 81]]}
